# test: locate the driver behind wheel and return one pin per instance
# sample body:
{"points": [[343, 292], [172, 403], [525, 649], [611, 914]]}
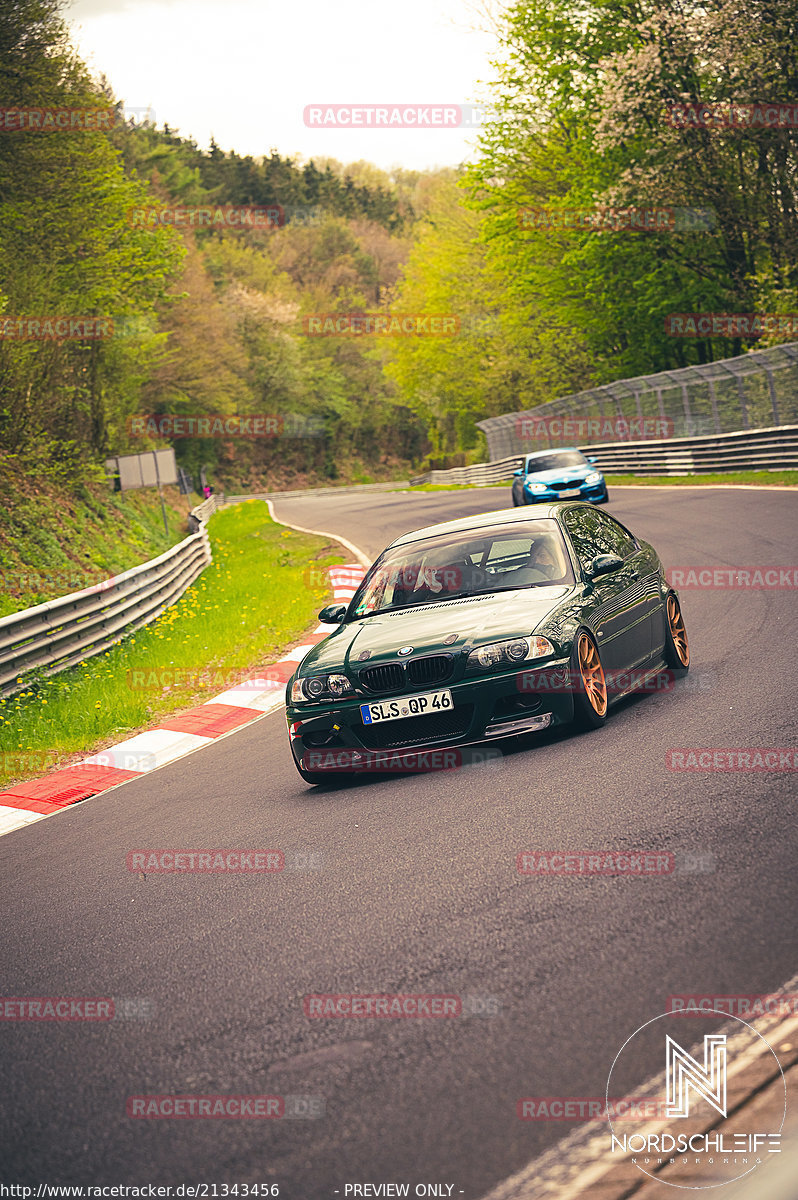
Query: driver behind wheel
{"points": [[542, 566]]}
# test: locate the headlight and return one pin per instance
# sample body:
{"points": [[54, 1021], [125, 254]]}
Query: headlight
{"points": [[537, 487], [507, 654], [593, 477], [319, 687], [338, 685]]}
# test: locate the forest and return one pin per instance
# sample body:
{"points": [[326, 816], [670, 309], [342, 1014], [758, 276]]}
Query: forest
{"points": [[638, 161]]}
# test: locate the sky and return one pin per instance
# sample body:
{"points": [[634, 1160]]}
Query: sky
{"points": [[244, 71]]}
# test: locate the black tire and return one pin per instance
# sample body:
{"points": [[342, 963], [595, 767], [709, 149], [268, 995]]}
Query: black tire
{"points": [[606, 497], [517, 503], [588, 682], [677, 646]]}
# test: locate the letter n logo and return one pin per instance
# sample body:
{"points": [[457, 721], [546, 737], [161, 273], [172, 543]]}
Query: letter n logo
{"points": [[683, 1072]]}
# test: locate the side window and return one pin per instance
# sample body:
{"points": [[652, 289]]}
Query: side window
{"points": [[613, 537], [581, 526]]}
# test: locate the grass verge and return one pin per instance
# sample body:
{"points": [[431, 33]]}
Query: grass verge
{"points": [[759, 478], [54, 540], [262, 591]]}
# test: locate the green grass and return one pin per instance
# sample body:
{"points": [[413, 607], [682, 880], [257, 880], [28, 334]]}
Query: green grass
{"points": [[54, 541], [263, 590], [762, 478]]}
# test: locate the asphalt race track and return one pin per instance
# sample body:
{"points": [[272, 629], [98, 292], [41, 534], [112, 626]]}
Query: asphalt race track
{"points": [[417, 893]]}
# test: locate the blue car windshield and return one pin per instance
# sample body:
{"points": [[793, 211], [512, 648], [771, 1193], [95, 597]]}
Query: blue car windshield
{"points": [[553, 462], [450, 566]]}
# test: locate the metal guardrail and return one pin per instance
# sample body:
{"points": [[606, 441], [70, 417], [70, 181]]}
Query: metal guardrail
{"points": [[351, 489], [753, 449], [758, 390], [200, 514], [479, 475], [773, 449], [61, 633]]}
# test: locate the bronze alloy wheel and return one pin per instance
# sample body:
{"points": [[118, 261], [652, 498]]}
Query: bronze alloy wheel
{"points": [[592, 673], [678, 631]]}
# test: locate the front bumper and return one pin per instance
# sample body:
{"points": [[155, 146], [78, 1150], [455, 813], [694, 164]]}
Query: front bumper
{"points": [[485, 708], [594, 492]]}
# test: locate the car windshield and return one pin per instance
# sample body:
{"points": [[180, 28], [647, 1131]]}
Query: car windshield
{"points": [[470, 563], [553, 462]]}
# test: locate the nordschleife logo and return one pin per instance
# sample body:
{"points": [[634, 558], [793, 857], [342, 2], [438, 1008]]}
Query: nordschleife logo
{"points": [[683, 1073], [698, 1139]]}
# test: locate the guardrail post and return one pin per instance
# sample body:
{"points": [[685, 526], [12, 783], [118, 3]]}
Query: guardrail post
{"points": [[773, 399]]}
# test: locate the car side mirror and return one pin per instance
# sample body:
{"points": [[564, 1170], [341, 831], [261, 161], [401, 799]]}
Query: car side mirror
{"points": [[333, 614], [518, 472], [592, 458], [604, 564]]}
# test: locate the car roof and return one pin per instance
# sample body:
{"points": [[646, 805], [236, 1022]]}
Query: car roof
{"points": [[504, 516], [553, 450]]}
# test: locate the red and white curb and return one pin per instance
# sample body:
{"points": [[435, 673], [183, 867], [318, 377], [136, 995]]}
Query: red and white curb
{"points": [[176, 736]]}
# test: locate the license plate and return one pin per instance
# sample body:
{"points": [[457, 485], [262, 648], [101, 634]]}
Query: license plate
{"points": [[407, 706], [570, 492]]}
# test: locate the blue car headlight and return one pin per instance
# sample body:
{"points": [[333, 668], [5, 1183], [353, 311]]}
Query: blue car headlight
{"points": [[536, 487], [593, 477]]}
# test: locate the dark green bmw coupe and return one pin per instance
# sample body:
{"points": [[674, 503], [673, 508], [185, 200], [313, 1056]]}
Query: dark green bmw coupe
{"points": [[481, 628]]}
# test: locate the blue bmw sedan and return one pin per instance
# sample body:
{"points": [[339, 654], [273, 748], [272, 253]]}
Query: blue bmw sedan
{"points": [[558, 475]]}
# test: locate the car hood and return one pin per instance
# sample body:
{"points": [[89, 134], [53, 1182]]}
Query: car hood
{"points": [[473, 621]]}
